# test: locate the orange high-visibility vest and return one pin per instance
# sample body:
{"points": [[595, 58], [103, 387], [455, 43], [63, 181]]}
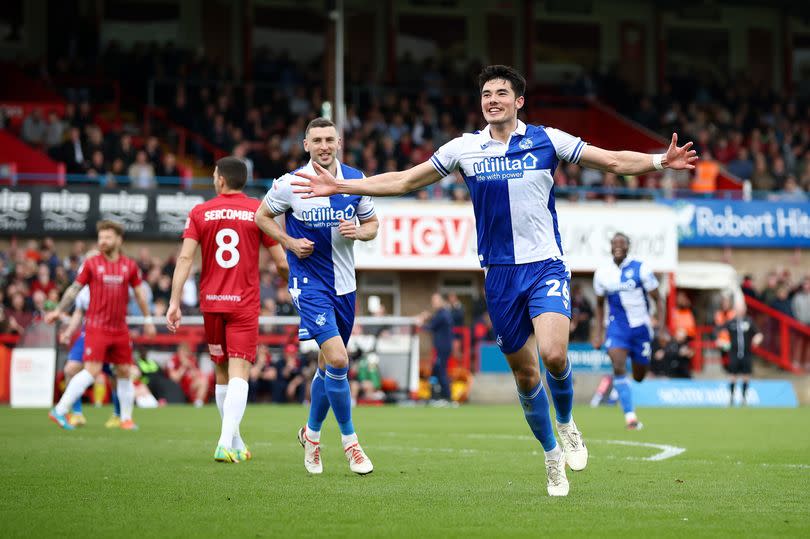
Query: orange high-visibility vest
{"points": [[705, 180]]}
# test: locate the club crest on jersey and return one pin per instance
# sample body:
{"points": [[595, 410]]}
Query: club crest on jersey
{"points": [[628, 274], [321, 319], [525, 144]]}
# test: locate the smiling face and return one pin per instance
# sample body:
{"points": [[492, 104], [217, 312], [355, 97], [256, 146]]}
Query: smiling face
{"points": [[499, 103], [619, 248], [322, 144]]}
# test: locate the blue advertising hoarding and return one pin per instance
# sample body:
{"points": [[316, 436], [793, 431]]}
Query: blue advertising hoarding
{"points": [[712, 393], [583, 358], [736, 223]]}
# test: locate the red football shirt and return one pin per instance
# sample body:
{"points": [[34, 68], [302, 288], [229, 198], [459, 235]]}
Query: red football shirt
{"points": [[229, 240], [109, 291]]}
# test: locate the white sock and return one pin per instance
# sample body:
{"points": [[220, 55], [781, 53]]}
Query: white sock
{"points": [[630, 416], [348, 439], [233, 409], [313, 435], [554, 454], [126, 397], [74, 390], [220, 392]]}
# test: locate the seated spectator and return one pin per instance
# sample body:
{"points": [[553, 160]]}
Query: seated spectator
{"points": [[674, 355], [125, 150], [34, 128], [141, 173], [289, 383], [183, 369], [741, 166], [54, 131], [262, 375], [168, 166], [365, 380], [154, 152], [97, 168], [791, 192]]}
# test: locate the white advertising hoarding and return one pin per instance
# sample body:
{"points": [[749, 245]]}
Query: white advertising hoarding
{"points": [[441, 236], [32, 374]]}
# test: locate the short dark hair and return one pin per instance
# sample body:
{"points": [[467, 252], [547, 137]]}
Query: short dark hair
{"points": [[622, 235], [234, 170], [107, 224], [319, 122], [507, 73]]}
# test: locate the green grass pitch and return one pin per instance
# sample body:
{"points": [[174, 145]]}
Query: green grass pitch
{"points": [[467, 472]]}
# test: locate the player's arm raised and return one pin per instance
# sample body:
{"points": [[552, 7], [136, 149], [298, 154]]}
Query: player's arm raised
{"points": [[634, 163], [324, 184], [67, 300], [266, 221], [182, 269]]}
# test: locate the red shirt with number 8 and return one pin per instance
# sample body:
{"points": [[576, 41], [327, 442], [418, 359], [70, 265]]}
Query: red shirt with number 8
{"points": [[229, 239]]}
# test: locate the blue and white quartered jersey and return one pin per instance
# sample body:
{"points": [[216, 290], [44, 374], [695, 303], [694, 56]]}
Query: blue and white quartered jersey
{"points": [[82, 300], [512, 189], [331, 263], [626, 288]]}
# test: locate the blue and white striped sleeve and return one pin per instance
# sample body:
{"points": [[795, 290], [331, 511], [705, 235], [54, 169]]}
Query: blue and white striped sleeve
{"points": [[446, 158], [568, 147], [278, 198], [365, 208], [648, 278]]}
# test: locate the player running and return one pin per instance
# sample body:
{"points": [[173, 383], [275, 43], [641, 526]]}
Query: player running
{"points": [[626, 282], [109, 276], [75, 361], [224, 229], [319, 241], [508, 168]]}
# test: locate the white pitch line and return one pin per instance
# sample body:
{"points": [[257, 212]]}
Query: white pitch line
{"points": [[666, 451]]}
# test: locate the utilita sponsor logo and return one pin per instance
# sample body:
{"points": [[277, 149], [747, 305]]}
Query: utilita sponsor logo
{"points": [[172, 210], [504, 168], [64, 211], [323, 216], [14, 210], [128, 209]]}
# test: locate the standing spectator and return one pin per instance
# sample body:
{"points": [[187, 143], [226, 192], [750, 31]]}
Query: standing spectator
{"points": [[54, 131], [782, 300], [744, 334], [768, 295], [747, 286], [801, 302], [581, 315], [18, 313], [141, 172], [456, 309], [721, 317], [43, 281], [183, 369], [33, 128], [72, 153], [683, 317], [440, 323]]}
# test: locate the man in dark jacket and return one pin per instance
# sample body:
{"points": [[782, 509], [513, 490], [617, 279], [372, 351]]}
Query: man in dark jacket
{"points": [[440, 323], [743, 334]]}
